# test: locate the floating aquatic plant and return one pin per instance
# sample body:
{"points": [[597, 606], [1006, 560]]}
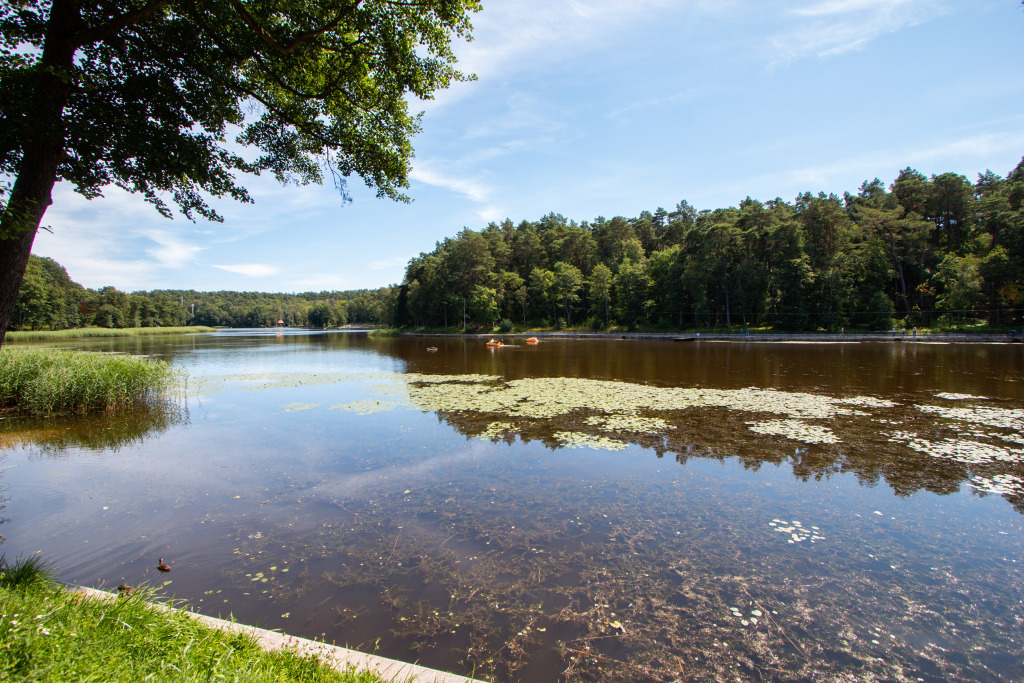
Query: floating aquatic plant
{"points": [[584, 440], [298, 406], [1003, 484], [629, 423], [961, 450], [366, 407], [796, 531], [1007, 418], [796, 430]]}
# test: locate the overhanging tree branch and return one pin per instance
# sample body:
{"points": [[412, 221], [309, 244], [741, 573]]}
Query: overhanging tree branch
{"points": [[299, 39], [118, 23]]}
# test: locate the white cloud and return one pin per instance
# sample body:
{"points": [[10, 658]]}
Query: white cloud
{"points": [[830, 7], [115, 240], [250, 269], [530, 33], [172, 251], [318, 282], [389, 263], [836, 26], [491, 213], [968, 155], [470, 188]]}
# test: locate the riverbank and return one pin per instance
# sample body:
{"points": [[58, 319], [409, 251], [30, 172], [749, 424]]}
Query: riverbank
{"points": [[753, 338], [49, 632], [366, 668], [92, 332]]}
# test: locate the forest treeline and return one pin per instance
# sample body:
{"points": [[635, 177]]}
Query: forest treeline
{"points": [[923, 251], [50, 300]]}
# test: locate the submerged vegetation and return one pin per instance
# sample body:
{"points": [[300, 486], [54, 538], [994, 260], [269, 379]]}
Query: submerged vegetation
{"points": [[49, 633], [956, 439], [523, 573], [763, 542], [52, 381]]}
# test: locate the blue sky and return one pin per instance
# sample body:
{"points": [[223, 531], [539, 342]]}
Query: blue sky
{"points": [[607, 108]]}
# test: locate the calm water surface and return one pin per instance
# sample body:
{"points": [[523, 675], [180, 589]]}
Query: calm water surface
{"points": [[578, 510]]}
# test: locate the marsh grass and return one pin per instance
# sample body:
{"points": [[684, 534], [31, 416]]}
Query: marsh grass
{"points": [[24, 572], [54, 381], [50, 633], [85, 332], [385, 332]]}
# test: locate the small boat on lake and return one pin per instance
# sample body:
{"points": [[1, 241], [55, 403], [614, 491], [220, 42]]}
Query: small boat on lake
{"points": [[532, 340], [493, 342]]}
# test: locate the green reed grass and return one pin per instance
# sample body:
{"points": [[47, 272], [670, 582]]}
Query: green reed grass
{"points": [[50, 633], [24, 572], [385, 332], [85, 332], [50, 381]]}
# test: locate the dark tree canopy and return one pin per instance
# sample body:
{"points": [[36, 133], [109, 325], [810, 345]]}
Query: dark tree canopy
{"points": [[927, 251], [172, 98]]}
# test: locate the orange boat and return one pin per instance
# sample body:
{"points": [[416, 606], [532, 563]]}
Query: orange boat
{"points": [[495, 343], [533, 340]]}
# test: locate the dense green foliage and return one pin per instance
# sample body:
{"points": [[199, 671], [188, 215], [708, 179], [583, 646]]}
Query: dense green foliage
{"points": [[164, 98], [925, 251], [46, 381], [50, 633], [50, 300]]}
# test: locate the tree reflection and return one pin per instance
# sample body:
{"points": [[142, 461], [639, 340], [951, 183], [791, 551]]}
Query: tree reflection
{"points": [[721, 434], [113, 431]]}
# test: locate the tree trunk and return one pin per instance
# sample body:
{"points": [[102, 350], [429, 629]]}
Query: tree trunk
{"points": [[41, 154], [728, 312], [899, 271]]}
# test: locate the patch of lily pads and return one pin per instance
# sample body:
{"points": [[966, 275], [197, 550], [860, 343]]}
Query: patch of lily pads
{"points": [[797, 430], [573, 412]]}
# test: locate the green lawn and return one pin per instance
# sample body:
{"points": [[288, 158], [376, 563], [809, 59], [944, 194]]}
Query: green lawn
{"points": [[50, 633]]}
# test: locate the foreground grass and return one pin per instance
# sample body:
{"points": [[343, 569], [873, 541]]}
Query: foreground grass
{"points": [[85, 332], [49, 633], [49, 381]]}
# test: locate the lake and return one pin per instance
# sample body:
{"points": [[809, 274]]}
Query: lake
{"points": [[577, 510]]}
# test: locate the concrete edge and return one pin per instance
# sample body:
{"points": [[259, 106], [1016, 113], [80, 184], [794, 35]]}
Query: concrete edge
{"points": [[338, 658]]}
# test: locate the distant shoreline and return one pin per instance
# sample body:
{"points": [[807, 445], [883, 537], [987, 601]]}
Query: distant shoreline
{"points": [[807, 337]]}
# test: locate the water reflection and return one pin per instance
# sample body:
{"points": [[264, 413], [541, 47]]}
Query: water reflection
{"points": [[651, 511], [55, 436]]}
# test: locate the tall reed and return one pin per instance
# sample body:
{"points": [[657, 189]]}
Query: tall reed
{"points": [[49, 381], [86, 332]]}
